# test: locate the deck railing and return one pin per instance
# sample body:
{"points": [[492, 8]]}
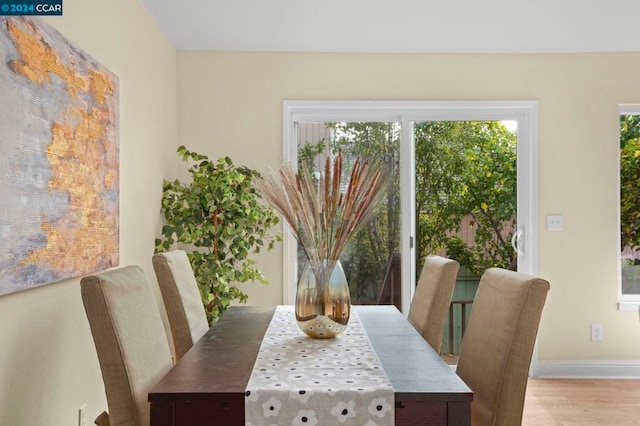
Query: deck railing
{"points": [[453, 321]]}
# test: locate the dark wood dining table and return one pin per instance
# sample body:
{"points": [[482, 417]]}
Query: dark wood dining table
{"points": [[207, 386]]}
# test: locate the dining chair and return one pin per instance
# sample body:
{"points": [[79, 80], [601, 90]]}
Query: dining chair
{"points": [[430, 304], [498, 343], [185, 312], [130, 340]]}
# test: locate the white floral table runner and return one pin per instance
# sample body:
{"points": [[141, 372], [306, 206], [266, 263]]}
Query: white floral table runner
{"points": [[301, 381]]}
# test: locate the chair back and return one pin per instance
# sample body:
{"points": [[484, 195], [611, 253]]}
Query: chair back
{"points": [[430, 304], [130, 340], [185, 312], [497, 346]]}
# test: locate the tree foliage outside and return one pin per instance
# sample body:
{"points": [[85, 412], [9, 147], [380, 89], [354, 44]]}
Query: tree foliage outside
{"points": [[462, 169], [219, 214], [630, 183], [466, 168]]}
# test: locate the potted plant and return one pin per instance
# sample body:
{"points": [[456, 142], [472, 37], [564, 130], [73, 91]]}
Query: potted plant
{"points": [[219, 215]]}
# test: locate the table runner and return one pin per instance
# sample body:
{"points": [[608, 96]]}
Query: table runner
{"points": [[301, 381]]}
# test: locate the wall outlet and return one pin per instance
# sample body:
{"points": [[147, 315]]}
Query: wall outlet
{"points": [[82, 415], [596, 333], [555, 222]]}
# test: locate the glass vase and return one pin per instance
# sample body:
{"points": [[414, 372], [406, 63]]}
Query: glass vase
{"points": [[323, 301]]}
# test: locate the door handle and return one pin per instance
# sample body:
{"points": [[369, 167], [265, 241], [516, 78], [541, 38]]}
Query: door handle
{"points": [[517, 242]]}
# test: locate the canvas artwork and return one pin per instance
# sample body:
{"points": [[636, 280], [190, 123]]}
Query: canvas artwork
{"points": [[59, 162]]}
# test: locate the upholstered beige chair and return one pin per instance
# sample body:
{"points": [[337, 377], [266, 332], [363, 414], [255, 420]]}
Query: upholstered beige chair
{"points": [[182, 300], [432, 298], [130, 339], [497, 346]]}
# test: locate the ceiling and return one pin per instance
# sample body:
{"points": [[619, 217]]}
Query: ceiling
{"points": [[410, 26]]}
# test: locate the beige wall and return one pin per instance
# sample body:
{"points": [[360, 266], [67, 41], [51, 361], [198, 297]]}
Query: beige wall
{"points": [[48, 364], [230, 103]]}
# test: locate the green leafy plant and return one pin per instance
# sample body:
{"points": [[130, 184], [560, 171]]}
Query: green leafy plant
{"points": [[219, 215]]}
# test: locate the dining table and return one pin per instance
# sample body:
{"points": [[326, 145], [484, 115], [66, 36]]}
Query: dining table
{"points": [[210, 384]]}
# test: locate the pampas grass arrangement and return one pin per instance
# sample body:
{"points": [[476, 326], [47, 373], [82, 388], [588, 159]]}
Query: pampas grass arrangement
{"points": [[321, 216]]}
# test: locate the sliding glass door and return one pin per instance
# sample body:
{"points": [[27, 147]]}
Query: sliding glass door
{"points": [[402, 136]]}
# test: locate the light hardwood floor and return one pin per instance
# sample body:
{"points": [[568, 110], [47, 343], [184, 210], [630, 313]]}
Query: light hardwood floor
{"points": [[582, 403]]}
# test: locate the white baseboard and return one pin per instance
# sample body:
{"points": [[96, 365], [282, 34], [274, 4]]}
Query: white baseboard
{"points": [[596, 369]]}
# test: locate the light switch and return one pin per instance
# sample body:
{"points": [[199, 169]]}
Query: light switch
{"points": [[554, 222]]}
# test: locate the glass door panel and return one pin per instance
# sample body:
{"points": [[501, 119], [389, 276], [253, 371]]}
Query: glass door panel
{"points": [[466, 204], [371, 260]]}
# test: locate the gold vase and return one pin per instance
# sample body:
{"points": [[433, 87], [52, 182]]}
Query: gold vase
{"points": [[323, 301]]}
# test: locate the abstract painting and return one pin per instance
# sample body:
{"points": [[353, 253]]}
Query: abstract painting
{"points": [[59, 158]]}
